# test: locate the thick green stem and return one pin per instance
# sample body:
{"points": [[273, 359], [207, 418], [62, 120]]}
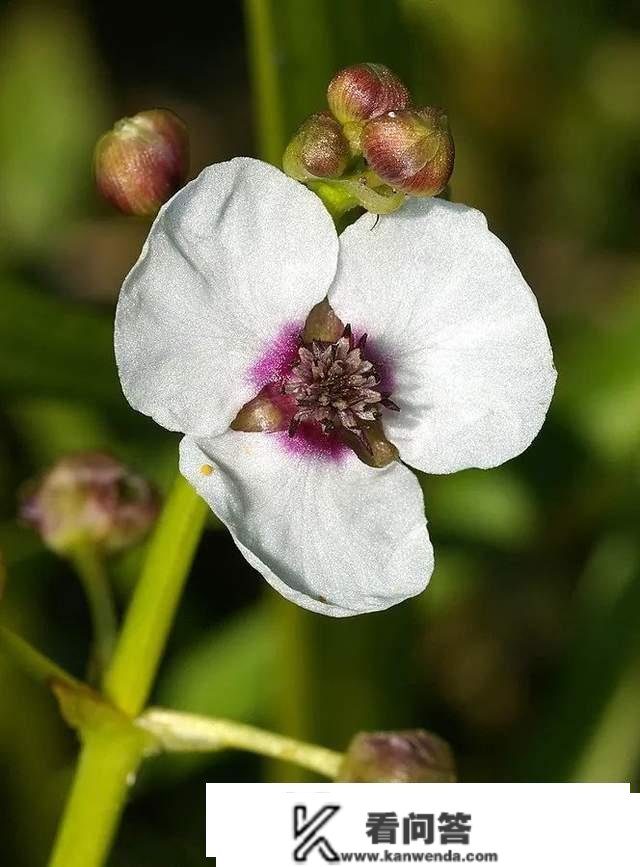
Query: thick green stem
{"points": [[106, 769], [110, 756], [129, 678], [89, 565], [113, 748]]}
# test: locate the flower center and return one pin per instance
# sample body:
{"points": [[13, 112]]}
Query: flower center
{"points": [[337, 387]]}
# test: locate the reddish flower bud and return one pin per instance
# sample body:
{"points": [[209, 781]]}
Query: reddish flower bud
{"points": [[319, 149], [365, 90], [397, 757], [142, 161], [411, 150], [90, 498]]}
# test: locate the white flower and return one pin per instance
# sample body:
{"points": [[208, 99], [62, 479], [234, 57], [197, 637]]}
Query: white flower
{"points": [[213, 311]]}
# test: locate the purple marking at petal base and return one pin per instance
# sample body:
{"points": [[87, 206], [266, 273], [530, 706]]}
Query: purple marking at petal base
{"points": [[274, 366], [279, 356], [309, 441], [271, 368]]}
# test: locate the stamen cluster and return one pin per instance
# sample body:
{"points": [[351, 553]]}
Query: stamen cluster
{"points": [[336, 387]]}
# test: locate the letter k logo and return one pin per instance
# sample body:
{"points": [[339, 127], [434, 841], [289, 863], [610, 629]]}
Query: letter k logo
{"points": [[307, 831]]}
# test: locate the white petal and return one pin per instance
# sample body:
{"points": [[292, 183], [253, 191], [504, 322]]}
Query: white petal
{"points": [[468, 353], [329, 533], [232, 266]]}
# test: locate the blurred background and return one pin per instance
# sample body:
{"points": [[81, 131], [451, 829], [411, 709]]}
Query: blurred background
{"points": [[525, 651]]}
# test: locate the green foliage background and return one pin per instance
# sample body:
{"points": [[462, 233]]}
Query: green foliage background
{"points": [[525, 651]]}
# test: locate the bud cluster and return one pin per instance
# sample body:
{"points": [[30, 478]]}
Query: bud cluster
{"points": [[373, 139]]}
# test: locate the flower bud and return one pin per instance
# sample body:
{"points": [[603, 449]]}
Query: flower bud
{"points": [[90, 498], [410, 150], [365, 90], [397, 757], [319, 149], [142, 161]]}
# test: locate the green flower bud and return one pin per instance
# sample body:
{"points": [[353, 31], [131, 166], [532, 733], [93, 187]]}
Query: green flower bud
{"points": [[142, 161], [410, 150], [397, 757], [319, 149], [365, 90], [89, 498]]}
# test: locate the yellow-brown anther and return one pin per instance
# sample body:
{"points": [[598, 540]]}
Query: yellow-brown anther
{"points": [[379, 452], [263, 413], [322, 324]]}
